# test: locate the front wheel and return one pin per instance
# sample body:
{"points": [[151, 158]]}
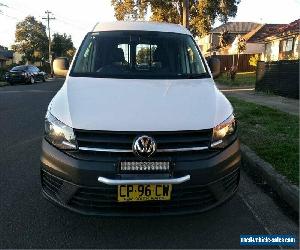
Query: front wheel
{"points": [[31, 80]]}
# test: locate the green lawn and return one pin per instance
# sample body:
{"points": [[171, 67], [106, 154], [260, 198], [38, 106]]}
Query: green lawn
{"points": [[241, 79], [272, 134], [3, 84]]}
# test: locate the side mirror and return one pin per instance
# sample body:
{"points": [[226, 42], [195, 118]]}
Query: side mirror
{"points": [[61, 66], [215, 66]]}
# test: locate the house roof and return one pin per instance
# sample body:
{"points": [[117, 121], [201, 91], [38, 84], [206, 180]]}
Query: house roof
{"points": [[291, 28], [263, 31], [269, 31], [6, 54], [236, 27], [141, 25]]}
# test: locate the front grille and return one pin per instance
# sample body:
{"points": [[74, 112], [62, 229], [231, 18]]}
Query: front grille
{"points": [[123, 141], [184, 198], [50, 183]]}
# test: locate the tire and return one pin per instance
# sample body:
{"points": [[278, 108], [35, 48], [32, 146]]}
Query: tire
{"points": [[31, 80]]}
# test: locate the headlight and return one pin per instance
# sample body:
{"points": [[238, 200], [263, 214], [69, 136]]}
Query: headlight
{"points": [[224, 133], [59, 134]]}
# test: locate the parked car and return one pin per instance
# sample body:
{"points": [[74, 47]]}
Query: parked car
{"points": [[25, 74], [139, 126]]}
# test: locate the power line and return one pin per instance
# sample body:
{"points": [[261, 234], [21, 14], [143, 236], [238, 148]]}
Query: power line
{"points": [[12, 17], [63, 19], [48, 18], [79, 27], [72, 22], [3, 5], [1, 12]]}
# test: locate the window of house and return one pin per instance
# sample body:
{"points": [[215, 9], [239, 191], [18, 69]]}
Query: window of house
{"points": [[286, 45]]}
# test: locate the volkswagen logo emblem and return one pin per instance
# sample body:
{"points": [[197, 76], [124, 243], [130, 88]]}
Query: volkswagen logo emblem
{"points": [[144, 146]]}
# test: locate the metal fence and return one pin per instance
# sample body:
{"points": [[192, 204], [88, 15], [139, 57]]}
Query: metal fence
{"points": [[280, 77]]}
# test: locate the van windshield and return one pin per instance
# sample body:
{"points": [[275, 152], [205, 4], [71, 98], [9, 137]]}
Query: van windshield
{"points": [[140, 55]]}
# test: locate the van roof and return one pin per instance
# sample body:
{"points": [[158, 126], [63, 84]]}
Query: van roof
{"points": [[141, 25]]}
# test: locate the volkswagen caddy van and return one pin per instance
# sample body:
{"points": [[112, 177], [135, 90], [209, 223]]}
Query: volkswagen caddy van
{"points": [[139, 126]]}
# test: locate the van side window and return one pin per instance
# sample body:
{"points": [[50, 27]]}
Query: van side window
{"points": [[194, 65], [86, 64], [126, 51], [144, 56]]}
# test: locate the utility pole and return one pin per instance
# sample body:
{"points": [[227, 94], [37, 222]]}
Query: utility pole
{"points": [[185, 13], [48, 18]]}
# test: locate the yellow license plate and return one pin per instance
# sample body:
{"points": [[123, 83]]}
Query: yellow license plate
{"points": [[152, 192]]}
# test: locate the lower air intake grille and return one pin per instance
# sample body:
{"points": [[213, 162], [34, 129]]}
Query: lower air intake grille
{"points": [[50, 183], [184, 198]]}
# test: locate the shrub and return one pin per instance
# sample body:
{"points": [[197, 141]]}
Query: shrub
{"points": [[46, 68], [2, 74], [253, 60], [5, 69]]}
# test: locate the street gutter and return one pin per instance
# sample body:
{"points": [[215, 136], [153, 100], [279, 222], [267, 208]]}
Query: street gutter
{"points": [[287, 191]]}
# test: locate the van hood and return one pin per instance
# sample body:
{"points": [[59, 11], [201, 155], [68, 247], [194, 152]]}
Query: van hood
{"points": [[140, 105]]}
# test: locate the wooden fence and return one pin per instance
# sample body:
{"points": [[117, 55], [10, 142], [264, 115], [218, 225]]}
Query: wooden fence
{"points": [[226, 62], [280, 77]]}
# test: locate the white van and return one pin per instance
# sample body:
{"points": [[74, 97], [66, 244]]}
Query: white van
{"points": [[139, 126]]}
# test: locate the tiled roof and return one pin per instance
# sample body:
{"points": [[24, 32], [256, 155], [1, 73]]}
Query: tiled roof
{"points": [[263, 32], [273, 30], [6, 54], [292, 28], [236, 27]]}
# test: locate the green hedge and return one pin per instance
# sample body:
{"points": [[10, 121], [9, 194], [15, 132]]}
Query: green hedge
{"points": [[2, 74], [46, 68], [5, 69]]}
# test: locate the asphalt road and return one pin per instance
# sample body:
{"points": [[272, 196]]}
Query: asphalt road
{"points": [[27, 220]]}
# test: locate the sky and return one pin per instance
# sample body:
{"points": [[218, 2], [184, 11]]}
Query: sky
{"points": [[78, 17]]}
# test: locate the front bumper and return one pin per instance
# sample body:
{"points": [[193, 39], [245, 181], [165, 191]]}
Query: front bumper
{"points": [[73, 184]]}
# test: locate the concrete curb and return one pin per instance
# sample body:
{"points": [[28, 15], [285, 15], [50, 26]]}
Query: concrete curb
{"points": [[287, 191]]}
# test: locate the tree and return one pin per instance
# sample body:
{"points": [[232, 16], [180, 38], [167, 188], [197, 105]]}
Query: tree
{"points": [[225, 39], [203, 13], [237, 47], [143, 55], [253, 60], [62, 45], [31, 39]]}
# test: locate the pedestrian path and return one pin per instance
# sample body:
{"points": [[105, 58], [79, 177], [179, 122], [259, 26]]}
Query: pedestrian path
{"points": [[284, 104]]}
